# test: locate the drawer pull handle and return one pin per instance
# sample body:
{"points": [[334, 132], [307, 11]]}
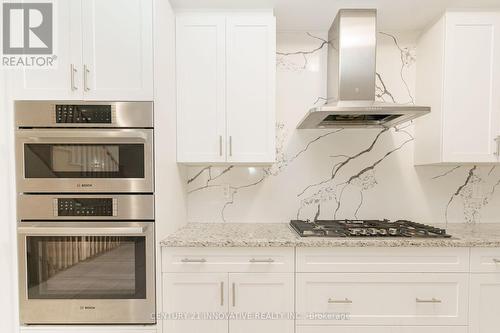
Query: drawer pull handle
{"points": [[230, 145], [432, 300], [220, 145], [253, 260], [73, 71], [496, 261], [234, 294], [86, 71], [222, 294], [339, 301], [187, 260]]}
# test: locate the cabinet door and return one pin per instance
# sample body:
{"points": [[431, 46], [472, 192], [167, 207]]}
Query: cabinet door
{"points": [[118, 49], [264, 294], [484, 303], [56, 83], [201, 84], [471, 85], [192, 295], [251, 67]]}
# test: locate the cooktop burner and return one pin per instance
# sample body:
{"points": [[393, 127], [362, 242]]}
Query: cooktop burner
{"points": [[366, 228]]}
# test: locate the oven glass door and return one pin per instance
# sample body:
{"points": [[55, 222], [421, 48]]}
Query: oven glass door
{"points": [[86, 267], [90, 160], [90, 260], [83, 160]]}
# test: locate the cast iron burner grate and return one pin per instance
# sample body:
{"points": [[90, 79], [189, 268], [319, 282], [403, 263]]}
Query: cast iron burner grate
{"points": [[366, 228]]}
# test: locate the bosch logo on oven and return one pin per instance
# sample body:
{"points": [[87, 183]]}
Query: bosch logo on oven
{"points": [[87, 307], [84, 185]]}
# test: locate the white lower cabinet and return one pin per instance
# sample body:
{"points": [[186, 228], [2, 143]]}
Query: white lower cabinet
{"points": [[383, 259], [382, 298], [189, 297], [87, 329], [484, 308], [382, 329], [484, 305], [261, 302], [237, 290], [400, 290], [222, 302]]}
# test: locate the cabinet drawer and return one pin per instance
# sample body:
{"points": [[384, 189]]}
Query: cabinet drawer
{"points": [[485, 260], [382, 299], [382, 329], [399, 260], [86, 329], [258, 260]]}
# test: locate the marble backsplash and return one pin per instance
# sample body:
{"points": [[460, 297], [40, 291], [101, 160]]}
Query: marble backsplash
{"points": [[342, 173]]}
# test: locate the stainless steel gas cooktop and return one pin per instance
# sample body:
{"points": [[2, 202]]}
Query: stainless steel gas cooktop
{"points": [[366, 228]]}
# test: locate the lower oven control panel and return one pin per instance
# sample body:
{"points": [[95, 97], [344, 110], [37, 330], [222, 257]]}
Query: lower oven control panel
{"points": [[81, 114], [85, 207]]}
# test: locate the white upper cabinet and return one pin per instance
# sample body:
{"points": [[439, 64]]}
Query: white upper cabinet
{"points": [[226, 88], [118, 49], [104, 51], [458, 75], [65, 80], [201, 83], [250, 99]]}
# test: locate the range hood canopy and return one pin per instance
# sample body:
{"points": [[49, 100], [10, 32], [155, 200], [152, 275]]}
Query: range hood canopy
{"points": [[351, 74]]}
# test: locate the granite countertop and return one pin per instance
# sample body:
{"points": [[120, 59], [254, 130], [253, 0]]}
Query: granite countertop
{"points": [[232, 235], [280, 235]]}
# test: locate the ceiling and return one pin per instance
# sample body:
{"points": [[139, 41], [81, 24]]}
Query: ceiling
{"points": [[317, 15]]}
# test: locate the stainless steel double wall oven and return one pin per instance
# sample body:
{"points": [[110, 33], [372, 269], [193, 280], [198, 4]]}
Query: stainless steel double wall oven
{"points": [[85, 212]]}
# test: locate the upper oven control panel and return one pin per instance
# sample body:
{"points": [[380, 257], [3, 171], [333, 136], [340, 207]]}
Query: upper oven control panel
{"points": [[85, 207], [83, 114]]}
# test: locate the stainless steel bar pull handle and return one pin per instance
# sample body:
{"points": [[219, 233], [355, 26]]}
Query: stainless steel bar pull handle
{"points": [[222, 294], [77, 231], [432, 300], [497, 143], [230, 145], [72, 75], [187, 260], [269, 260], [85, 79], [234, 294], [339, 301], [220, 145]]}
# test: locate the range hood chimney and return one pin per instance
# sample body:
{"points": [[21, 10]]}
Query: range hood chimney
{"points": [[351, 74]]}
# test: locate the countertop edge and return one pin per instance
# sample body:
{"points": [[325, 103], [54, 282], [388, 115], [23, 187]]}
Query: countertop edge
{"points": [[260, 235]]}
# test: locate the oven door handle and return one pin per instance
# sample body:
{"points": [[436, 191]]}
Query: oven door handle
{"points": [[91, 140], [84, 136], [81, 231]]}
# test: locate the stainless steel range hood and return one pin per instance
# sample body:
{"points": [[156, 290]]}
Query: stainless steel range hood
{"points": [[351, 78]]}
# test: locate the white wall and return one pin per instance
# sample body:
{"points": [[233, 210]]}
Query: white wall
{"points": [[300, 181]]}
